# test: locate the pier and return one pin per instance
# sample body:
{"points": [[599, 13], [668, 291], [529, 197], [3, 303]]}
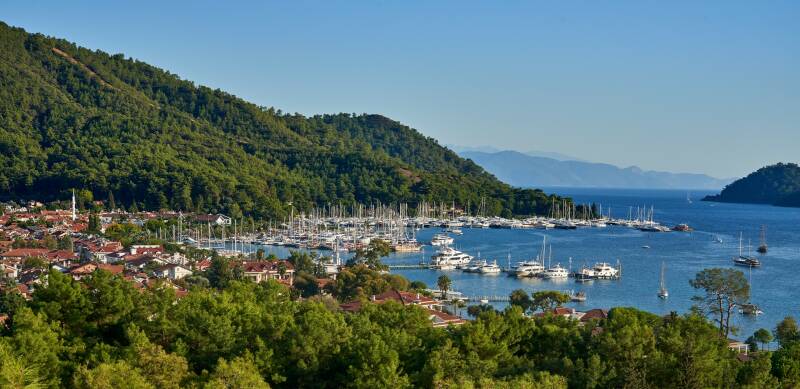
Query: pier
{"points": [[408, 267]]}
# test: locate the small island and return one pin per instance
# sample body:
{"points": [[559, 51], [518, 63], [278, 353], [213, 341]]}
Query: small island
{"points": [[777, 184]]}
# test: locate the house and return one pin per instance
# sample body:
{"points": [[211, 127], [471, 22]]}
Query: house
{"points": [[146, 249], [172, 271], [443, 319], [202, 265], [23, 253], [8, 271], [80, 271], [138, 262], [594, 314], [259, 271], [738, 346], [432, 307], [218, 219]]}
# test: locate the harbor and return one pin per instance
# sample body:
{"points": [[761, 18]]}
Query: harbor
{"points": [[713, 242]]}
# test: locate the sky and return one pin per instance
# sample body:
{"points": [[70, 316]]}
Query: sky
{"points": [[683, 86]]}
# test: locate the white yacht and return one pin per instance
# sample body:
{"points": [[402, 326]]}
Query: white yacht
{"points": [[528, 269], [448, 258], [473, 267], [605, 271], [490, 268], [555, 272], [441, 240], [585, 274]]}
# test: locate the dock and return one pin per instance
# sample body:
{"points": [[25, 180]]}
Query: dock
{"points": [[407, 267]]}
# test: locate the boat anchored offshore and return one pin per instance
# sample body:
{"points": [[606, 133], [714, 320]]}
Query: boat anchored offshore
{"points": [[762, 247], [662, 287], [743, 260], [441, 240], [578, 297], [750, 309]]}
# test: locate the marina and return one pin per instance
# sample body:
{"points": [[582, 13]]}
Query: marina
{"points": [[712, 243]]}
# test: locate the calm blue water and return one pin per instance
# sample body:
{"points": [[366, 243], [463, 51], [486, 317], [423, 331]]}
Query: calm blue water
{"points": [[774, 285]]}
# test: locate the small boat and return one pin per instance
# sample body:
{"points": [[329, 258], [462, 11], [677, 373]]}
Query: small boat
{"points": [[750, 309], [456, 231], [578, 297], [646, 247], [663, 293], [717, 239], [683, 227]]}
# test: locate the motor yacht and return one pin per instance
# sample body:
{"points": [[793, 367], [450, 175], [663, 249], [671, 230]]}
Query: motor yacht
{"points": [[528, 269], [441, 240], [555, 272], [449, 258], [585, 274], [604, 271], [490, 268]]}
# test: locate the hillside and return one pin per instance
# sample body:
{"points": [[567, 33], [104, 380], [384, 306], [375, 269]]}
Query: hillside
{"points": [[777, 184], [526, 170], [71, 118]]}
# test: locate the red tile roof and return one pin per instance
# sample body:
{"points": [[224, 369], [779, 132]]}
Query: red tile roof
{"points": [[24, 253]]}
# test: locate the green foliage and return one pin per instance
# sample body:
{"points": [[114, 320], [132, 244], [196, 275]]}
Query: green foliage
{"points": [[444, 283], [113, 375], [99, 333], [371, 255], [521, 299], [16, 372], [547, 300], [787, 331], [139, 137], [240, 373], [724, 290], [777, 184], [763, 336], [362, 282]]}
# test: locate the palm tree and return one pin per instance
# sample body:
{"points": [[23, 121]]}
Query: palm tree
{"points": [[444, 284]]}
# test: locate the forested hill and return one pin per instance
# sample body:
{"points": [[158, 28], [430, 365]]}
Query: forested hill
{"points": [[71, 118], [776, 184]]}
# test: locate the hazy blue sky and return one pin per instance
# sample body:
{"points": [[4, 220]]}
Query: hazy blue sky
{"points": [[677, 86]]}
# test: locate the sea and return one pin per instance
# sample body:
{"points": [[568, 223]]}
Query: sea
{"points": [[774, 286]]}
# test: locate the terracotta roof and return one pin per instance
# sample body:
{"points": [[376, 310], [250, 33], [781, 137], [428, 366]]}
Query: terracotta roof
{"points": [[113, 269], [61, 254], [598, 314], [22, 253], [262, 266], [405, 298], [444, 319]]}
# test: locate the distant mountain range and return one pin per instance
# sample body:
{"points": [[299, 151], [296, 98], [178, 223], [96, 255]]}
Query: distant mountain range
{"points": [[777, 184], [526, 170], [533, 153]]}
